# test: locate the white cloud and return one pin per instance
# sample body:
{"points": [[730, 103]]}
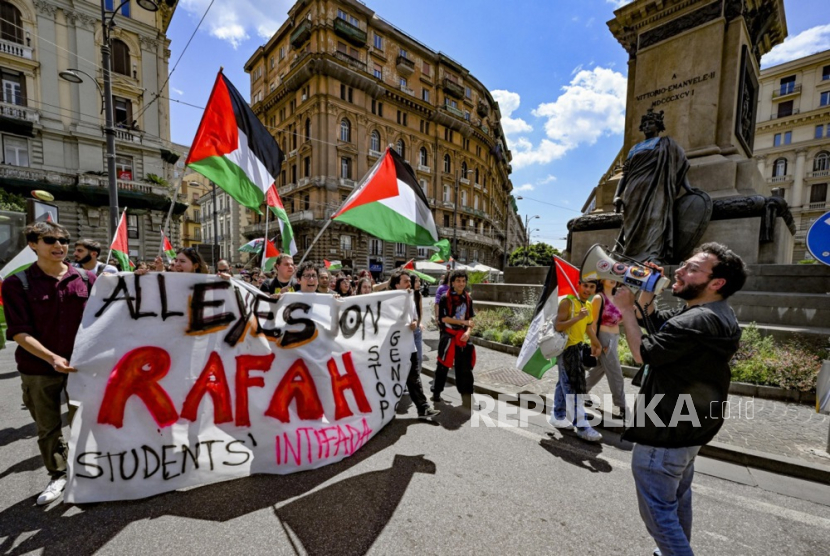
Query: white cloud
{"points": [[547, 180], [177, 91], [508, 103], [592, 105], [234, 22], [619, 3], [525, 187], [810, 41]]}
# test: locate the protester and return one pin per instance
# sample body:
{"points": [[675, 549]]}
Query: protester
{"points": [[323, 281], [364, 286], [43, 306], [687, 367], [343, 287], [86, 256], [419, 330], [284, 281], [574, 317], [187, 260], [307, 277], [224, 267], [443, 287], [400, 281], [455, 314], [142, 265], [607, 319]]}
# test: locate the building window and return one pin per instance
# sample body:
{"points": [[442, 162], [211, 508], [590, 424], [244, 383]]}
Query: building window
{"points": [[785, 109], [821, 162], [403, 53], [110, 5], [779, 168], [427, 69], [463, 170], [346, 93], [424, 127], [11, 25], [378, 71], [423, 157], [120, 57], [308, 129], [400, 146], [347, 17], [818, 193], [463, 198], [346, 168], [776, 140], [378, 42], [132, 226], [306, 202], [123, 112], [447, 164], [820, 131], [404, 82], [475, 201], [345, 130], [423, 252], [468, 92], [825, 73], [450, 102], [825, 99], [15, 151], [375, 247], [467, 117], [124, 167], [400, 249], [787, 85], [463, 256], [788, 137], [14, 87], [447, 193], [307, 167], [346, 243], [425, 94], [374, 141], [424, 186]]}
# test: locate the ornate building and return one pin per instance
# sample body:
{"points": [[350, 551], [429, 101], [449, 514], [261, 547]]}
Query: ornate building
{"points": [[52, 131], [792, 138], [336, 85]]}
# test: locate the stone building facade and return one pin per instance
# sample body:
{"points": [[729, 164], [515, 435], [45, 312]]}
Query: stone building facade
{"points": [[52, 131], [336, 85], [792, 140]]}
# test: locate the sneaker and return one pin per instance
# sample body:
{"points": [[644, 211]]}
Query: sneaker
{"points": [[438, 399], [53, 491], [428, 413], [560, 423], [588, 434]]}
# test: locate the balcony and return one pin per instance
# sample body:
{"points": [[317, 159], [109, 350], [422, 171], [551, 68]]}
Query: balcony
{"points": [[287, 188], [818, 206], [477, 185], [485, 129], [347, 183], [447, 204], [18, 112], [464, 181], [454, 111], [351, 33], [406, 67], [783, 115], [819, 174], [298, 59], [128, 136], [407, 90], [453, 88], [786, 90], [301, 34], [301, 216], [353, 63], [779, 179], [374, 154], [303, 182], [291, 154], [15, 49], [424, 169]]}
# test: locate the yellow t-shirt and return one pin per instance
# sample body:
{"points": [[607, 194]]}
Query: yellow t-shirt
{"points": [[576, 333]]}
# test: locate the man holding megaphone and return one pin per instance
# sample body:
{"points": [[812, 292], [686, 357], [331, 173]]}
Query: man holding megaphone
{"points": [[685, 385]]}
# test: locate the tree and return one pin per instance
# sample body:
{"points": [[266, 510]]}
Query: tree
{"points": [[12, 202], [538, 254]]}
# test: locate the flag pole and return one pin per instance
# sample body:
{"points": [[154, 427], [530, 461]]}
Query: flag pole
{"points": [[115, 235], [265, 242], [307, 251], [170, 214]]}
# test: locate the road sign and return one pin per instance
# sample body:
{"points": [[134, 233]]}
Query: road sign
{"points": [[818, 239]]}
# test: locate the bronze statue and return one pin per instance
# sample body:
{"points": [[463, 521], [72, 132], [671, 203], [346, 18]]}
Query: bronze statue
{"points": [[653, 174]]}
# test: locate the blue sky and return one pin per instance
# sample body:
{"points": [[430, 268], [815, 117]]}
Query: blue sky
{"points": [[556, 70]]}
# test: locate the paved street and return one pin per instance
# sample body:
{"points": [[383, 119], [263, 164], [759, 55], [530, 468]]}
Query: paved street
{"points": [[450, 487]]}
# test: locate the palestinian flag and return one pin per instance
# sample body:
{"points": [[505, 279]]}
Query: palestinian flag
{"points": [[270, 256], [333, 265], [234, 150], [410, 267], [253, 246], [167, 247], [562, 280], [272, 199], [21, 261], [120, 247], [390, 205], [443, 253]]}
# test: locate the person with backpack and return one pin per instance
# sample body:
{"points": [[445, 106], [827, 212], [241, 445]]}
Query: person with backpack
{"points": [[44, 305], [455, 322]]}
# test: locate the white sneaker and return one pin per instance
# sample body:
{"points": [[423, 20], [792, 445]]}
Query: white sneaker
{"points": [[53, 491], [589, 434], [560, 423]]}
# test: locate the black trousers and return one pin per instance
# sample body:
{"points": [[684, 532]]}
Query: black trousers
{"points": [[463, 372], [413, 384]]}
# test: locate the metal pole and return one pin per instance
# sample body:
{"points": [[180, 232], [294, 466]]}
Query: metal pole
{"points": [[215, 228], [455, 220], [527, 220], [506, 231], [109, 128]]}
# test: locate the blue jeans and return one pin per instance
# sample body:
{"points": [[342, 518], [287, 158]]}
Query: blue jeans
{"points": [[663, 477], [565, 402]]}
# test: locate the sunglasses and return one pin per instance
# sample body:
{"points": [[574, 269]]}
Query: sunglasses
{"points": [[50, 240]]}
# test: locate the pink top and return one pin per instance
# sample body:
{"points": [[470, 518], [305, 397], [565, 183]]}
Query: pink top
{"points": [[610, 316]]}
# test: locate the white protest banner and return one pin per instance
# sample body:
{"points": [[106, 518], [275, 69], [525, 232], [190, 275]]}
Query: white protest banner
{"points": [[188, 379]]}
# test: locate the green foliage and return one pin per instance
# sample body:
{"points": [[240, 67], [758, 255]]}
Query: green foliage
{"points": [[489, 335], [12, 202], [477, 277], [507, 337], [490, 319], [519, 337], [793, 365], [538, 254], [624, 353], [808, 261], [158, 180]]}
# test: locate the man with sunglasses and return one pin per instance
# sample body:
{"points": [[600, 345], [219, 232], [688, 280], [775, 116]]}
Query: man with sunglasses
{"points": [[685, 385], [44, 305]]}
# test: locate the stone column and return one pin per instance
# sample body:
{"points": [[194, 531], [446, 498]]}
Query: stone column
{"points": [[762, 164], [798, 178]]}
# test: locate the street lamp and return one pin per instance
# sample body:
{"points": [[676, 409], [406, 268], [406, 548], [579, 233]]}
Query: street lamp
{"points": [[455, 216], [527, 234], [72, 76]]}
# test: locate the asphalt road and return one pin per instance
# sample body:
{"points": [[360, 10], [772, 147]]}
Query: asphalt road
{"points": [[447, 487]]}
